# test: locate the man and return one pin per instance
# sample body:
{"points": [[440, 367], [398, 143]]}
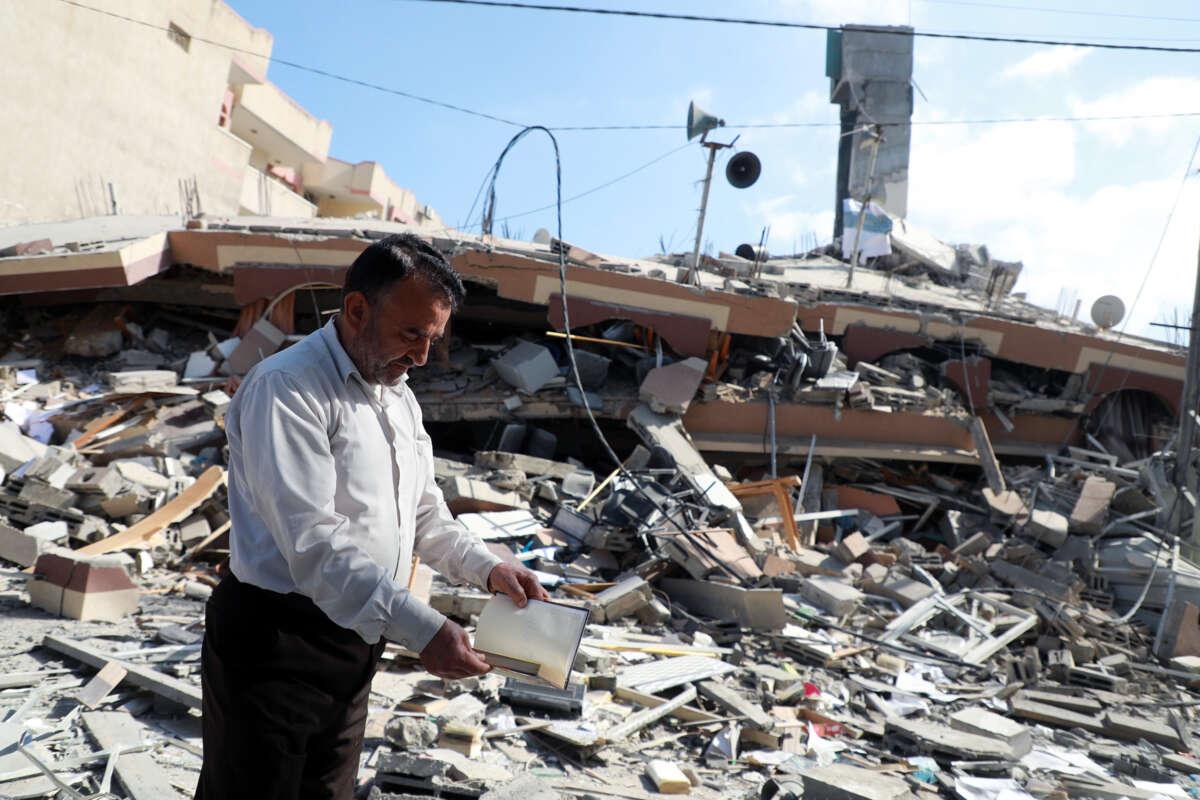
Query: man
{"points": [[331, 492]]}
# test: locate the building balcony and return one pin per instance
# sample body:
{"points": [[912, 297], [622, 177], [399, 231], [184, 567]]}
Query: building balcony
{"points": [[263, 195], [280, 131]]}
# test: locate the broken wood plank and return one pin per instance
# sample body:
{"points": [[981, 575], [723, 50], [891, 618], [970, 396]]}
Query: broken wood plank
{"points": [[180, 507], [141, 777], [987, 456], [167, 686], [684, 713], [734, 703], [646, 716]]}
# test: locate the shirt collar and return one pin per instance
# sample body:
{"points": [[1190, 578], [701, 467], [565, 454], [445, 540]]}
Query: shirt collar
{"points": [[345, 365]]}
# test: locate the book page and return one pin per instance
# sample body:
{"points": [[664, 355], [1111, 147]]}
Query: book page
{"points": [[542, 635]]}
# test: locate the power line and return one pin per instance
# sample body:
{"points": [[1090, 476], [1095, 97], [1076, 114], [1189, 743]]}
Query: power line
{"points": [[579, 128], [303, 67], [763, 23], [914, 123], [1070, 11]]}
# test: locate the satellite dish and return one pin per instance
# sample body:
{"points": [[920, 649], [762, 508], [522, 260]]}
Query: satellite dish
{"points": [[743, 170], [751, 252], [700, 122], [1108, 311], [541, 236]]}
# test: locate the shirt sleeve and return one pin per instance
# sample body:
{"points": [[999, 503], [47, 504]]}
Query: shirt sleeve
{"points": [[442, 541], [291, 479]]}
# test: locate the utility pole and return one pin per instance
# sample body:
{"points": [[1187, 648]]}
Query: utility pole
{"points": [[876, 135], [713, 147]]}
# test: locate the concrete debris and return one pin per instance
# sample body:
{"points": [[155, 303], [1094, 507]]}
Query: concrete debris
{"points": [[967, 583]]}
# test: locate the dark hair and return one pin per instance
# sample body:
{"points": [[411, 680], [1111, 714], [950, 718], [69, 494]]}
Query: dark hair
{"points": [[396, 257]]}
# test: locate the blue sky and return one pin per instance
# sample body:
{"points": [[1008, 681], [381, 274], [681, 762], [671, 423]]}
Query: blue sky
{"points": [[1081, 204]]}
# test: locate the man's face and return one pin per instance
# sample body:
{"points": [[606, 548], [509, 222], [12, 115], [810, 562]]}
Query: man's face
{"points": [[396, 334]]}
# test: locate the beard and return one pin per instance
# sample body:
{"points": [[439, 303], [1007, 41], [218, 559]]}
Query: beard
{"points": [[373, 363]]}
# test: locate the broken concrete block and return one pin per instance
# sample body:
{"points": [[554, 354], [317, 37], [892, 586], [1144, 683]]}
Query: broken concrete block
{"points": [[199, 365], [1006, 504], [142, 475], [410, 733], [904, 590], [142, 380], [623, 599], [464, 495], [1047, 526], [83, 587], [24, 547], [38, 493], [845, 782], [53, 469], [668, 778], [669, 389], [1091, 510], [527, 367], [981, 722], [945, 741], [16, 448], [194, 529], [104, 481], [97, 335], [831, 595], [759, 609], [264, 339], [851, 548]]}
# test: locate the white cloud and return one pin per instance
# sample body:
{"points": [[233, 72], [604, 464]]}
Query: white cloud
{"points": [[1158, 95], [1044, 63], [1015, 189]]}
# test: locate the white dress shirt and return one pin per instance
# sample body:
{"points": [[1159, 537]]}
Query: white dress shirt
{"points": [[331, 490]]}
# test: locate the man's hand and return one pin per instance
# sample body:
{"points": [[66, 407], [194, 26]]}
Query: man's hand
{"points": [[449, 654], [517, 582]]}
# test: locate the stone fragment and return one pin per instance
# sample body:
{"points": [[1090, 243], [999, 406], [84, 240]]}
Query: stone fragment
{"points": [[528, 366], [669, 389], [1091, 509], [24, 547], [981, 722], [851, 548], [831, 595], [410, 733], [1047, 526], [845, 782]]}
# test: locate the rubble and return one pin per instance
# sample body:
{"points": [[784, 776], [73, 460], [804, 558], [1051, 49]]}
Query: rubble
{"points": [[860, 544]]}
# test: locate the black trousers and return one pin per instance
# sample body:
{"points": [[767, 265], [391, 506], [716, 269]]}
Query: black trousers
{"points": [[285, 698]]}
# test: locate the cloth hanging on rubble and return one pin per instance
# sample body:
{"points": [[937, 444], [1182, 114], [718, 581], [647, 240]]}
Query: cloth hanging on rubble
{"points": [[876, 227]]}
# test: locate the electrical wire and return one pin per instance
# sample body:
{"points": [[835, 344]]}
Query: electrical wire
{"points": [[763, 23], [490, 206], [1145, 279], [1069, 11], [580, 128], [303, 67]]}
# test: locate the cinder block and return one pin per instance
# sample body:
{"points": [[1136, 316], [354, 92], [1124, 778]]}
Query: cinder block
{"points": [[851, 548], [263, 340], [844, 782], [982, 722], [82, 587], [669, 389], [105, 481], [527, 366], [623, 599], [1047, 526], [831, 595], [38, 493], [24, 547]]}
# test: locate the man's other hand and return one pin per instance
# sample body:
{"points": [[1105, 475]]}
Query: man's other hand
{"points": [[517, 582], [449, 654]]}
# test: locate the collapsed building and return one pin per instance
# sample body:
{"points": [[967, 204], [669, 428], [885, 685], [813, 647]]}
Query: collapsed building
{"points": [[856, 516]]}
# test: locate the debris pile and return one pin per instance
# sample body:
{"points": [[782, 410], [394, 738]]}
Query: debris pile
{"points": [[859, 628]]}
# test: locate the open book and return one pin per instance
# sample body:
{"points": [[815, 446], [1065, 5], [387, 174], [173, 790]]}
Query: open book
{"points": [[536, 643]]}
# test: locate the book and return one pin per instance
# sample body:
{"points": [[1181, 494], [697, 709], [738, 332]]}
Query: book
{"points": [[536, 643]]}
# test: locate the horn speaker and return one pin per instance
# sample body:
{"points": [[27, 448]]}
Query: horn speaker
{"points": [[700, 122], [743, 169]]}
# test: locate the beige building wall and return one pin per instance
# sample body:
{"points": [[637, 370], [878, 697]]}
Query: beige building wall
{"points": [[89, 100]]}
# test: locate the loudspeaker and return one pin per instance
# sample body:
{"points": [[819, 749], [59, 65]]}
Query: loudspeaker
{"points": [[700, 121], [743, 169]]}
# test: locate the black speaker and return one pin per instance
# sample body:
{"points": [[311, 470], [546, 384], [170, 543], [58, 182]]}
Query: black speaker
{"points": [[743, 170]]}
